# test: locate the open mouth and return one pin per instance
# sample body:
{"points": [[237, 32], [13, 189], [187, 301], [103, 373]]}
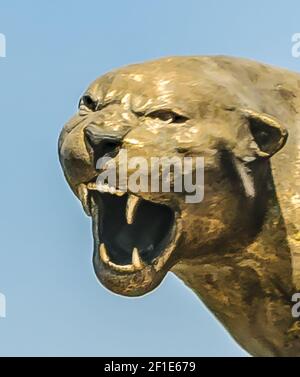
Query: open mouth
{"points": [[133, 236]]}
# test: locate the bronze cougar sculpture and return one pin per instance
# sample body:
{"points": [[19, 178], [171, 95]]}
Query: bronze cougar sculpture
{"points": [[238, 249]]}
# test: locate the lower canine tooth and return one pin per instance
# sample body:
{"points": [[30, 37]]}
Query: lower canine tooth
{"points": [[136, 259], [103, 253], [131, 208]]}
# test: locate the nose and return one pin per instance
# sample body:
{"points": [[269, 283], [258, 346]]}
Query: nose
{"points": [[101, 143]]}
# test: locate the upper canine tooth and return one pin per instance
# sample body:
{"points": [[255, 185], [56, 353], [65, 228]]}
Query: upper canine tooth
{"points": [[83, 196], [131, 207], [103, 253], [136, 259]]}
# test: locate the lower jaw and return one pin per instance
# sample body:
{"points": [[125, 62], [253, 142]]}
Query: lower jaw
{"points": [[134, 284], [139, 282]]}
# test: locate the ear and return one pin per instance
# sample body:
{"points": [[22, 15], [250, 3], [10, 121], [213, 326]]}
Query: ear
{"points": [[268, 133]]}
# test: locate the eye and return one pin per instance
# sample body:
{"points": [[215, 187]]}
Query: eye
{"points": [[88, 102], [168, 116]]}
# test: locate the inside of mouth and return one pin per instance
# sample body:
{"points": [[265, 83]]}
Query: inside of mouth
{"points": [[150, 231]]}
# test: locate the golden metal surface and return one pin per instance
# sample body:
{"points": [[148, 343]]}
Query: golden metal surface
{"points": [[238, 249]]}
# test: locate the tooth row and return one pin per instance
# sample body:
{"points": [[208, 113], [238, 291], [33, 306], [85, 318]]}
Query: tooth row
{"points": [[133, 203], [137, 262], [104, 188]]}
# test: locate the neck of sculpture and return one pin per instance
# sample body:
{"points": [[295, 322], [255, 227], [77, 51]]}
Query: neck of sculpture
{"points": [[250, 289]]}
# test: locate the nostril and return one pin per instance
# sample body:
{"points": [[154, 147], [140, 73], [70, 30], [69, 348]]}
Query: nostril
{"points": [[101, 144]]}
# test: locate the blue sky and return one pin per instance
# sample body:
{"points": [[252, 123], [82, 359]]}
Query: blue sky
{"points": [[55, 49]]}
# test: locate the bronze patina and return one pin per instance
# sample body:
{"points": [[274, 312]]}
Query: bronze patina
{"points": [[238, 249]]}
